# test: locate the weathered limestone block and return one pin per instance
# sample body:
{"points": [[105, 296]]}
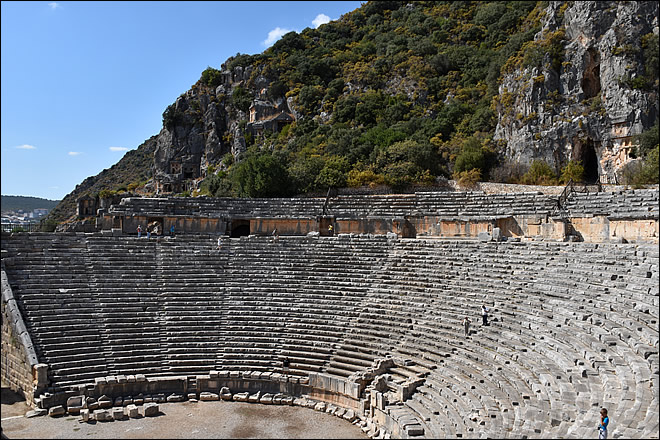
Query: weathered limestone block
{"points": [[241, 397], [208, 396], [266, 399], [84, 415], [56, 411], [102, 415], [225, 394], [74, 404], [150, 409], [174, 397], [254, 398], [105, 402], [132, 411], [117, 413]]}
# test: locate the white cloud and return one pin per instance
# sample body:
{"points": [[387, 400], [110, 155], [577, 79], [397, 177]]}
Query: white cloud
{"points": [[26, 147], [275, 35], [118, 149], [74, 153], [320, 19], [54, 5]]}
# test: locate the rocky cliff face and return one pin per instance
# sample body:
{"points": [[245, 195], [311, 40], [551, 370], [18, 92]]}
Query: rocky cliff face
{"points": [[584, 102], [206, 123]]}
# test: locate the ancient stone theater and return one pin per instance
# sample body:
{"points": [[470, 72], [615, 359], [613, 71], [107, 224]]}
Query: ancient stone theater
{"points": [[352, 305]]}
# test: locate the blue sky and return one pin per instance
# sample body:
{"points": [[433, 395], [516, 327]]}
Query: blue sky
{"points": [[84, 82]]}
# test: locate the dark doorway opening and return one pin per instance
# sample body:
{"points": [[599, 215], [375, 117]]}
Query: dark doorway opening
{"points": [[591, 77], [586, 154], [239, 228]]}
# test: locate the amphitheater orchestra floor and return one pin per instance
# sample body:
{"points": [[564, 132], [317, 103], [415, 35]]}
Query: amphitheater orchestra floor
{"points": [[182, 420]]}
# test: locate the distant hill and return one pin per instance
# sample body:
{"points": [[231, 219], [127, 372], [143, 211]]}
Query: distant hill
{"points": [[14, 203]]}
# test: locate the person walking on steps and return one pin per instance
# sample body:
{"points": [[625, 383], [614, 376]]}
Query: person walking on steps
{"points": [[484, 314], [466, 325], [172, 230], [330, 230], [602, 426], [139, 231]]}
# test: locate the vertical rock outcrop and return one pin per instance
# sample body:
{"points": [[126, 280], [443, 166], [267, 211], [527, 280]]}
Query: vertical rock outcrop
{"points": [[586, 100]]}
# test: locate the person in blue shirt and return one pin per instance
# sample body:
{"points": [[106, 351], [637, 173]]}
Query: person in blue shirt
{"points": [[604, 421]]}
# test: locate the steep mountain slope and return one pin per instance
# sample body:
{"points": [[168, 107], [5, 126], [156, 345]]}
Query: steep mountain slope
{"points": [[401, 93]]}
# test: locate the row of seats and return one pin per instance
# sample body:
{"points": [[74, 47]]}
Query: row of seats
{"points": [[574, 326], [639, 203], [356, 206]]}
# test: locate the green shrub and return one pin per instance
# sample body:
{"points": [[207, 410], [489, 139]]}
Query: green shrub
{"points": [[212, 77], [467, 179], [540, 173], [572, 171]]}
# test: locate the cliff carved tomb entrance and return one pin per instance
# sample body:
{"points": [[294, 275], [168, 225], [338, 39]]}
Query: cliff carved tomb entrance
{"points": [[591, 76], [584, 150]]}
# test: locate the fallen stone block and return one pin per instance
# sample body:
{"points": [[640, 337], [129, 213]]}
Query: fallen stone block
{"points": [[254, 398], [192, 397], [287, 400], [339, 412], [56, 411], [150, 409], [225, 394], [349, 415], [132, 411], [241, 397], [74, 404], [174, 397], [117, 413], [207, 396], [102, 416], [277, 399], [320, 406], [105, 402]]}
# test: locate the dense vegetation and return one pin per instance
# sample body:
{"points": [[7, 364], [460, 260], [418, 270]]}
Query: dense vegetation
{"points": [[393, 93]]}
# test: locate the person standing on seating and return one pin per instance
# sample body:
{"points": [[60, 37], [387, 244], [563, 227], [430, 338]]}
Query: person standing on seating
{"points": [[330, 230], [219, 242], [172, 230], [466, 324], [602, 426], [139, 231], [276, 235], [484, 314]]}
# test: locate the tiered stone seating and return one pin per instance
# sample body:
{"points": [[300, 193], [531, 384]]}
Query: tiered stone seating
{"points": [[574, 326], [639, 203], [50, 274], [122, 275]]}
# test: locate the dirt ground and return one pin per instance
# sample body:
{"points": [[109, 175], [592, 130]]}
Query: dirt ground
{"points": [[199, 420]]}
